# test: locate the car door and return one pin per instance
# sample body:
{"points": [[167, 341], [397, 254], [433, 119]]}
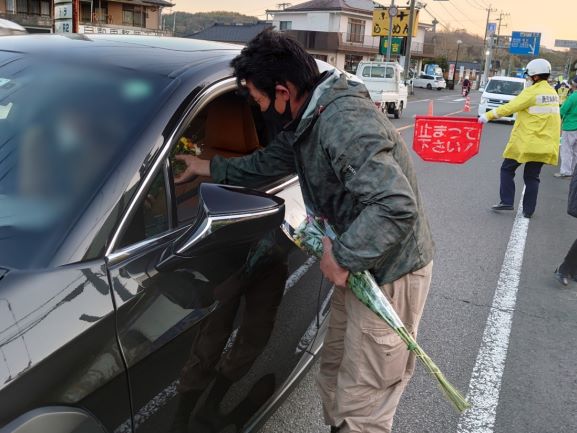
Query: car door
{"points": [[212, 319]]}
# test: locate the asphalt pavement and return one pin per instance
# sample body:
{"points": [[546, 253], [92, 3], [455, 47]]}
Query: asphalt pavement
{"points": [[496, 322]]}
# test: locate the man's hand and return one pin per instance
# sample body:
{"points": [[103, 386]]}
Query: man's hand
{"points": [[332, 271], [194, 167], [483, 118]]}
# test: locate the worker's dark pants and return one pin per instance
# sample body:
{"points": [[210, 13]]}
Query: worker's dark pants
{"points": [[531, 178], [569, 265]]}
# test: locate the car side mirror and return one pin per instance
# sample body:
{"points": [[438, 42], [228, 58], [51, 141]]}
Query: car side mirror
{"points": [[228, 215]]}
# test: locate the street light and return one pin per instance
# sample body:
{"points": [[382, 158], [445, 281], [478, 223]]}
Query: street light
{"points": [[459, 42]]}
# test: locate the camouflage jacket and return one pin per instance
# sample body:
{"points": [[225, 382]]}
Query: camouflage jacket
{"points": [[355, 170]]}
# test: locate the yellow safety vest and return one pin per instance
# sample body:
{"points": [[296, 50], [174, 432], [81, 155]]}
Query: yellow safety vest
{"points": [[535, 135], [563, 92]]}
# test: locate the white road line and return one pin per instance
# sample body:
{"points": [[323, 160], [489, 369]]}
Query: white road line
{"points": [[485, 384], [402, 128]]}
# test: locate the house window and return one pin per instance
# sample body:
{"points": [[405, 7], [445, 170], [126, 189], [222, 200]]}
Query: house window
{"points": [[10, 6], [45, 8], [356, 30], [128, 15], [138, 18], [352, 62], [22, 6], [286, 25], [85, 12]]}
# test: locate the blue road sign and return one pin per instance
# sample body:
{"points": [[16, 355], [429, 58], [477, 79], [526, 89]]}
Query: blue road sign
{"points": [[491, 29], [525, 43]]}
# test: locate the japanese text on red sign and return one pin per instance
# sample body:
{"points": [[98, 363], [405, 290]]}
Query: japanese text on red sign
{"points": [[444, 139]]}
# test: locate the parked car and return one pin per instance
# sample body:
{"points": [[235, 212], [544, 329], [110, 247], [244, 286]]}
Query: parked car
{"points": [[129, 303], [8, 28], [430, 81], [385, 85], [498, 91]]}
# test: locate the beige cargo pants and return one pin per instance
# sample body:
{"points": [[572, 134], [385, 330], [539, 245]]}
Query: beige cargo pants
{"points": [[364, 365]]}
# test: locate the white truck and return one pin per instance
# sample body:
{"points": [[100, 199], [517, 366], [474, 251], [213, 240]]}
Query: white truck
{"points": [[385, 85]]}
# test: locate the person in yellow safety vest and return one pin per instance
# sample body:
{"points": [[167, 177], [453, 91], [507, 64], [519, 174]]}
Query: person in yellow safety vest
{"points": [[563, 92], [534, 140]]}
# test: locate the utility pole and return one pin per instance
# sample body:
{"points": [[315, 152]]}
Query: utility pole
{"points": [[174, 23], [487, 46], [390, 36], [500, 19], [409, 40]]}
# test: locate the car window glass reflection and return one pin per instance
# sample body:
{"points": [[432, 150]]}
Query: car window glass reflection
{"points": [[151, 216], [57, 146], [227, 127]]}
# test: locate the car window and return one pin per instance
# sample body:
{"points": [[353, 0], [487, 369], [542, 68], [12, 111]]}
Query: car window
{"points": [[503, 87], [151, 217], [229, 127], [367, 71], [382, 72], [63, 128]]}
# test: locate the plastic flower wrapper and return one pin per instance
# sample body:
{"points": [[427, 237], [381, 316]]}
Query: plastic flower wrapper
{"points": [[308, 236]]}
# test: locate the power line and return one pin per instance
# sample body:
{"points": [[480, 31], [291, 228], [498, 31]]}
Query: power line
{"points": [[483, 2], [476, 6], [462, 13], [448, 11], [435, 18]]}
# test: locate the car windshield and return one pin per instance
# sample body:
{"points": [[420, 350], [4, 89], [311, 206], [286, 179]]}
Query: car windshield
{"points": [[62, 128], [502, 87]]}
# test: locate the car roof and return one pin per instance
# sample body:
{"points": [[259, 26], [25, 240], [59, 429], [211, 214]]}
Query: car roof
{"points": [[159, 55], [503, 78]]}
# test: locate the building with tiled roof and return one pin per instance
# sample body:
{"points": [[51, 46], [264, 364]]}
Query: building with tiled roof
{"points": [[233, 33], [340, 31]]}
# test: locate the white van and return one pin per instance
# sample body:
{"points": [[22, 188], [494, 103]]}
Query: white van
{"points": [[499, 91], [384, 82]]}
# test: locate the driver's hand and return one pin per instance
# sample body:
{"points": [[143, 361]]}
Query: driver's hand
{"points": [[194, 167]]}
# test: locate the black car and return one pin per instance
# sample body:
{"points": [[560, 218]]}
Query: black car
{"points": [[129, 303]]}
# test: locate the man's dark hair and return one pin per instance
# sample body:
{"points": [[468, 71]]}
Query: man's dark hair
{"points": [[544, 76], [273, 58]]}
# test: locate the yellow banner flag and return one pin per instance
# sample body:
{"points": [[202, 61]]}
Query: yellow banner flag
{"points": [[400, 22]]}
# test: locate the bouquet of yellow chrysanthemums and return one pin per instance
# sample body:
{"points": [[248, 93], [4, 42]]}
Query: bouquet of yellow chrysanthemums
{"points": [[185, 146], [309, 237]]}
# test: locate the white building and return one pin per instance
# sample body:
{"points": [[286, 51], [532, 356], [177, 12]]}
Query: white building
{"points": [[339, 31]]}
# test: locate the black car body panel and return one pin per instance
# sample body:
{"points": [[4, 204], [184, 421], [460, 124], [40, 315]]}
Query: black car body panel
{"points": [[58, 343], [121, 329]]}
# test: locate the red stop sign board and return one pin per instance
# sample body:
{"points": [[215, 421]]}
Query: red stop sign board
{"points": [[447, 139]]}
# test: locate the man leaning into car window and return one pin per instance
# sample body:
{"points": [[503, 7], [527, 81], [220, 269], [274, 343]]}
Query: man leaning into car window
{"points": [[354, 170]]}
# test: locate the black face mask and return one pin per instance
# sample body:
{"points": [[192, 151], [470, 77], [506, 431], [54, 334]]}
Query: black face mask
{"points": [[275, 121]]}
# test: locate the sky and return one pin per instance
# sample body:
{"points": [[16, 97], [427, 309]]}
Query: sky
{"points": [[524, 15]]}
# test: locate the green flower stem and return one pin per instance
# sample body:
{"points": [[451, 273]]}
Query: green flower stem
{"points": [[309, 238]]}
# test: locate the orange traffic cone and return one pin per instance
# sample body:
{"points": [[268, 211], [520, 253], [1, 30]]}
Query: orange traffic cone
{"points": [[430, 112], [467, 108]]}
